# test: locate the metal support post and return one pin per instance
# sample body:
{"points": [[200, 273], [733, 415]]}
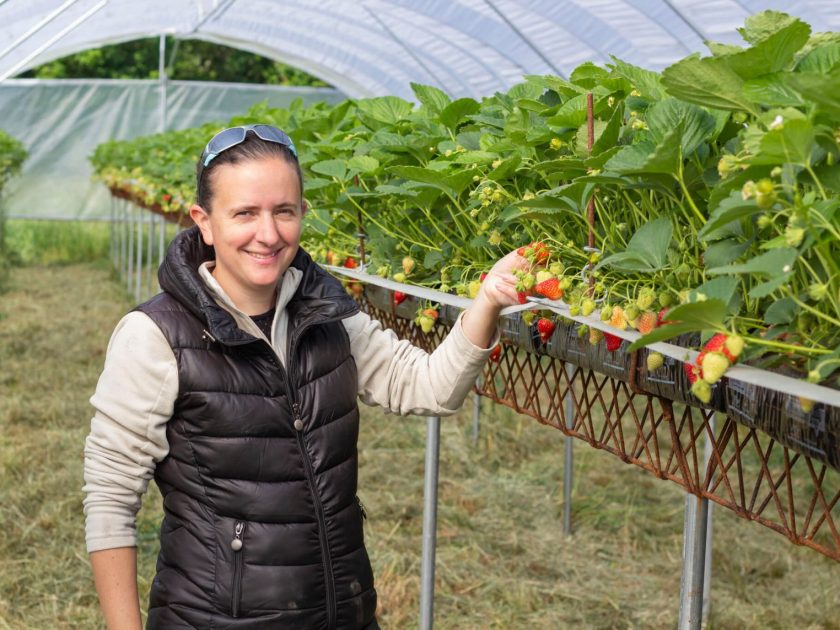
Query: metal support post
{"points": [[694, 601], [707, 575], [129, 275], [112, 246], [430, 496], [138, 281], [150, 261], [476, 424], [568, 443]]}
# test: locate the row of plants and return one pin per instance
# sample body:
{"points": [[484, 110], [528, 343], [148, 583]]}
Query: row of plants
{"points": [[714, 185], [12, 156]]}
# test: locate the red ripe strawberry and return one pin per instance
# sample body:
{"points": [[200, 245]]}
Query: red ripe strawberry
{"points": [[496, 353], [545, 327], [541, 252], [660, 318], [550, 289], [166, 197], [692, 372], [431, 312], [613, 342], [350, 262], [399, 297], [483, 275], [716, 343], [522, 296]]}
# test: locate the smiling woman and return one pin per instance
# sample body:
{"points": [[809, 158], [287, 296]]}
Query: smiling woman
{"points": [[237, 388]]}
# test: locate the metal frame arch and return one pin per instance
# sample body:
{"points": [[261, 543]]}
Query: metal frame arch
{"points": [[462, 48]]}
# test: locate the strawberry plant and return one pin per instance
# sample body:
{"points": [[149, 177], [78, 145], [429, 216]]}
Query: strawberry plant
{"points": [[714, 184]]}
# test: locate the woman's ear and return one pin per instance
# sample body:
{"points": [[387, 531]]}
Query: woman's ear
{"points": [[304, 207], [202, 219]]}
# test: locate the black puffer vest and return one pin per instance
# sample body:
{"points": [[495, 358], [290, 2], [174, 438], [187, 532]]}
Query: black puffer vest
{"points": [[262, 528]]}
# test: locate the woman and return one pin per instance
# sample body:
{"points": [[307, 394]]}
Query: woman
{"points": [[236, 389]]}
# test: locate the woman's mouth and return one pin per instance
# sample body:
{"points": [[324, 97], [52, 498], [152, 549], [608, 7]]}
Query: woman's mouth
{"points": [[263, 256]]}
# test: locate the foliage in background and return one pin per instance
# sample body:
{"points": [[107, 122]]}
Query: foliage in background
{"points": [[192, 60], [12, 156], [715, 187]]}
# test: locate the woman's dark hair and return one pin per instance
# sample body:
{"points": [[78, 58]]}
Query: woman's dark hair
{"points": [[252, 148]]}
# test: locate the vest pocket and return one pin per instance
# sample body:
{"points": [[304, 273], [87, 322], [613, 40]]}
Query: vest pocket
{"points": [[237, 543]]}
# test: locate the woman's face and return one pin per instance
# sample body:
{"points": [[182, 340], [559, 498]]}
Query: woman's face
{"points": [[254, 226]]}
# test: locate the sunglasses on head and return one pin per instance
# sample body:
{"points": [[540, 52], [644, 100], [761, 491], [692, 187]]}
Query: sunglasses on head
{"points": [[229, 138]]}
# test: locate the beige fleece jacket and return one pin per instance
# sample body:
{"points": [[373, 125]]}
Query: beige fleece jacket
{"points": [[137, 389]]}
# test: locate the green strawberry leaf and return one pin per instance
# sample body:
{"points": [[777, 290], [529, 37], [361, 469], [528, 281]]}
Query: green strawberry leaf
{"points": [[456, 113], [774, 45], [722, 289], [647, 249], [773, 90], [789, 143], [823, 89], [571, 114], [696, 125], [363, 164], [764, 289], [647, 157], [821, 59], [383, 109], [730, 209], [724, 252], [434, 99], [686, 318], [506, 168], [647, 82], [709, 82], [333, 168], [776, 262], [781, 311]]}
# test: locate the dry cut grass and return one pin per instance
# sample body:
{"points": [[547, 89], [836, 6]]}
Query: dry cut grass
{"points": [[503, 561]]}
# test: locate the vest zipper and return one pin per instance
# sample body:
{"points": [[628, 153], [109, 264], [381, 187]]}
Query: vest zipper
{"points": [[322, 523], [310, 473], [236, 589]]}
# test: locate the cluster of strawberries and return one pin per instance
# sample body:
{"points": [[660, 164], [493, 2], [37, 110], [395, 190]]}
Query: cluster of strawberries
{"points": [[717, 355]]}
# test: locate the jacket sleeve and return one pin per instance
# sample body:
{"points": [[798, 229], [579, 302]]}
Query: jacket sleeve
{"points": [[404, 379], [134, 399]]}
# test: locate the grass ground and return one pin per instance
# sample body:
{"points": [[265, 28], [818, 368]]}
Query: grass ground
{"points": [[503, 561]]}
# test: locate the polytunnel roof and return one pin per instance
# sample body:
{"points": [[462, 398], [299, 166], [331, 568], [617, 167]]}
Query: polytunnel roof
{"points": [[376, 47]]}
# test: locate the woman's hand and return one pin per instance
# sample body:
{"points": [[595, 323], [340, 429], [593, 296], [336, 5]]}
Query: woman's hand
{"points": [[499, 286], [497, 291]]}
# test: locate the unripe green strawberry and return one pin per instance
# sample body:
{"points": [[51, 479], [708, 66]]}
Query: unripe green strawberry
{"points": [[794, 236], [587, 306], [565, 283], [631, 311], [556, 268], [528, 281], [763, 221], [733, 347], [595, 336], [574, 310], [702, 390], [582, 331], [714, 366], [817, 291], [473, 288], [426, 323], [383, 271], [399, 276], [408, 265], [765, 194], [655, 361], [528, 317], [645, 299], [543, 275], [606, 312]]}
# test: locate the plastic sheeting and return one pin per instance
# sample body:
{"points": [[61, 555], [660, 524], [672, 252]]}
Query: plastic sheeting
{"points": [[376, 47], [62, 122]]}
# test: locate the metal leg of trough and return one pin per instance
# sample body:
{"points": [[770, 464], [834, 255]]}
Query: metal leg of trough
{"points": [[150, 265], [568, 444], [129, 276], [430, 497], [111, 232], [696, 575], [707, 575], [138, 270], [476, 424]]}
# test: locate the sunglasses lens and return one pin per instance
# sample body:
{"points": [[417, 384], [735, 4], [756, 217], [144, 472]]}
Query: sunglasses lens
{"points": [[226, 139], [273, 134]]}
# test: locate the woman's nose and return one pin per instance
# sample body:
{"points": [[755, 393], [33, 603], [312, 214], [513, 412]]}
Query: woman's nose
{"points": [[267, 231]]}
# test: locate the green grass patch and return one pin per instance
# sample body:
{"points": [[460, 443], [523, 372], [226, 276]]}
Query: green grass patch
{"points": [[503, 561], [35, 242]]}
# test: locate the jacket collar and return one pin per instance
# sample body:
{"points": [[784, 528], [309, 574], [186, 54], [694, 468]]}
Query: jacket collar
{"points": [[319, 296]]}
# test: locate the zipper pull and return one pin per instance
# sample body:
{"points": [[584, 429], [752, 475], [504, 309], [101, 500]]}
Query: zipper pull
{"points": [[296, 414], [361, 507], [236, 543]]}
